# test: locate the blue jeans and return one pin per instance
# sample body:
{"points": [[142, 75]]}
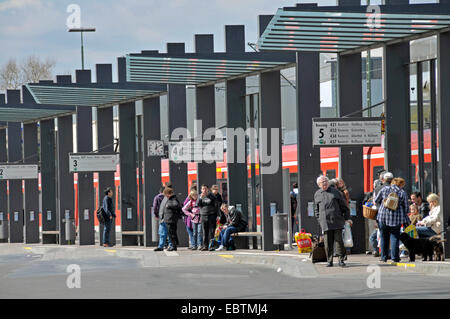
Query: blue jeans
{"points": [[197, 234], [106, 231], [392, 234], [163, 235], [425, 232], [373, 240], [225, 236], [191, 235]]}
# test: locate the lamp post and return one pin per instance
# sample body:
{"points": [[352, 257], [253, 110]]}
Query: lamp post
{"points": [[81, 30]]}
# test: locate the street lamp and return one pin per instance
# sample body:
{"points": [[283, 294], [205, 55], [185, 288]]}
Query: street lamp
{"points": [[81, 30]]}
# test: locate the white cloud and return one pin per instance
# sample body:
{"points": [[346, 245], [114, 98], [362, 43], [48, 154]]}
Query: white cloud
{"points": [[17, 4]]}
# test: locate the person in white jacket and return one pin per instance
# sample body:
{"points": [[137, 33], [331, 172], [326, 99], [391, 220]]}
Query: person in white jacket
{"points": [[433, 223]]}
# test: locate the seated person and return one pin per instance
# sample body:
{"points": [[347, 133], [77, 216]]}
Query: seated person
{"points": [[414, 215], [235, 223], [433, 223]]}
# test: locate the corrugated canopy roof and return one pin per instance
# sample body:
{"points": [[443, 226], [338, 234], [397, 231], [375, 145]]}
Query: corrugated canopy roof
{"points": [[93, 94], [309, 29], [31, 114], [192, 69]]}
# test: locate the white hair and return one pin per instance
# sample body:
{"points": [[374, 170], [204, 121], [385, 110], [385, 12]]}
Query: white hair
{"points": [[322, 178]]}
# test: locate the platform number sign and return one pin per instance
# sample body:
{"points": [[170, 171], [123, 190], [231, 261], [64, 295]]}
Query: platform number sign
{"points": [[1, 173], [75, 165]]}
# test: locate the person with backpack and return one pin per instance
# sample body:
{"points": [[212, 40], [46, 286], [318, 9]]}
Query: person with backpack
{"points": [[218, 203], [208, 215], [158, 210], [108, 208], [172, 212], [235, 223], [393, 210]]}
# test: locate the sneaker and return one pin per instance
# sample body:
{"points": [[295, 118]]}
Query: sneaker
{"points": [[158, 249], [204, 249], [376, 254], [220, 248], [342, 264], [329, 264], [172, 249], [194, 248]]}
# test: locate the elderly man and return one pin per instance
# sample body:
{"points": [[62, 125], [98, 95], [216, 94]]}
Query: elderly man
{"points": [[332, 212]]}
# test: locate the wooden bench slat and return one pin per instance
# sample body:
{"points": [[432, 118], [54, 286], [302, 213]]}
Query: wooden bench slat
{"points": [[247, 234], [50, 232], [131, 232]]}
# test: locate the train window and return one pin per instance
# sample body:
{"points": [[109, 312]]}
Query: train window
{"points": [[331, 173], [375, 171], [293, 178]]}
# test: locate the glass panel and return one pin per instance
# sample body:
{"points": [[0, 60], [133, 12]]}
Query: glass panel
{"points": [[428, 172], [414, 128]]}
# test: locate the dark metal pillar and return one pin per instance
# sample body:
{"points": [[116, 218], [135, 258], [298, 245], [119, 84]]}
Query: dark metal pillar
{"points": [[3, 184], [396, 90], [351, 168], [237, 175], [128, 184], [31, 185], [105, 137], [270, 144], [85, 185], [48, 181], [443, 116], [15, 186], [152, 164], [205, 109], [65, 178], [308, 106], [178, 119]]}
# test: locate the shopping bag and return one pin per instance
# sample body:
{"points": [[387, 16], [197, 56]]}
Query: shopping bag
{"points": [[411, 231], [219, 228], [304, 243], [347, 236]]}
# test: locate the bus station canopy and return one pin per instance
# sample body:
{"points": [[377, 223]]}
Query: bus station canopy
{"points": [[24, 114], [92, 94], [351, 29], [201, 69]]}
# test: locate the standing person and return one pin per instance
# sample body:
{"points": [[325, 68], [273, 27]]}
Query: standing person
{"points": [[390, 221], [192, 210], [208, 215], [343, 189], [433, 224], [108, 208], [172, 212], [387, 179], [332, 212], [423, 206], [235, 223], [294, 203], [189, 204], [218, 203], [162, 230]]}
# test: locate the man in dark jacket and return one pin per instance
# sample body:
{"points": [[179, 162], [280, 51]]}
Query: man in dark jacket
{"points": [[158, 211], [235, 223], [208, 216], [172, 212], [332, 212], [218, 203], [424, 208], [108, 208]]}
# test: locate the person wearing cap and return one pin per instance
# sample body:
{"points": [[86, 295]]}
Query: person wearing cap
{"points": [[332, 212]]}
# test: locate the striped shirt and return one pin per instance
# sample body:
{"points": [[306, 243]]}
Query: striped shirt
{"points": [[390, 217]]}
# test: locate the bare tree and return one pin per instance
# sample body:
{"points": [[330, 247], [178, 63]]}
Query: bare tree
{"points": [[10, 75], [31, 70]]}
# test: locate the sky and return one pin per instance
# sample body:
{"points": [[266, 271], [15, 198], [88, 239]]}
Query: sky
{"points": [[38, 27]]}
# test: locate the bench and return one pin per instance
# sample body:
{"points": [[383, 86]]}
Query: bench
{"points": [[50, 232], [239, 241], [129, 237], [133, 233], [247, 234]]}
